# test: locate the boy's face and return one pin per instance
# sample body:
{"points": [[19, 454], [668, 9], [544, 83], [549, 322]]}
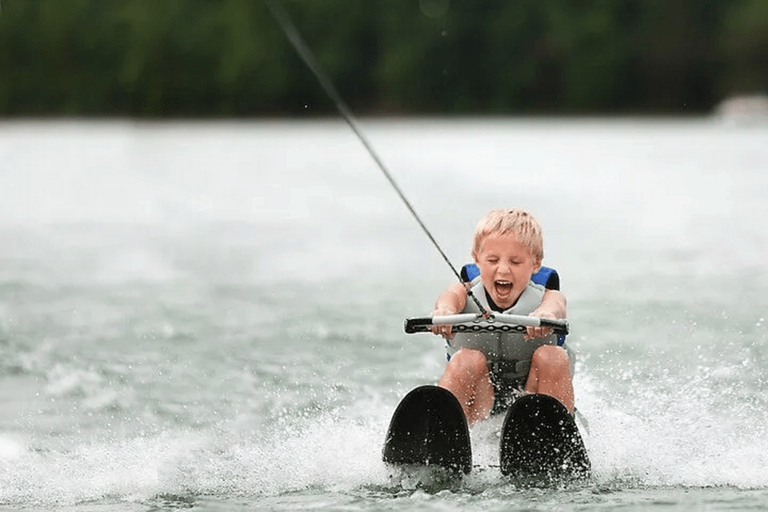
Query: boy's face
{"points": [[506, 266]]}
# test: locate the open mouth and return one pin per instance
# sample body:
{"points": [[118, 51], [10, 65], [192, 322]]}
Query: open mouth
{"points": [[503, 288]]}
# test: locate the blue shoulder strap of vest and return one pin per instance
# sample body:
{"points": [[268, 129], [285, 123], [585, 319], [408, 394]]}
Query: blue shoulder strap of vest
{"points": [[546, 277]]}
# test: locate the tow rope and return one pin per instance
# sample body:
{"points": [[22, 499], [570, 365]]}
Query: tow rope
{"points": [[294, 37]]}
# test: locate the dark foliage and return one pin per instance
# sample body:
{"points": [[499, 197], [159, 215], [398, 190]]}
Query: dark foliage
{"points": [[230, 58]]}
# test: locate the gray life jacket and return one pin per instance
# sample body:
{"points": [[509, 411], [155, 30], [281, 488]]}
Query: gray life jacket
{"points": [[508, 353]]}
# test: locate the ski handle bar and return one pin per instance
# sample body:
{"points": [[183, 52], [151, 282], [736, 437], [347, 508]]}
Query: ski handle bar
{"points": [[471, 322]]}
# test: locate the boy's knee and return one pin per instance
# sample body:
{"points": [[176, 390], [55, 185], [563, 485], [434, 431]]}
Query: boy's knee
{"points": [[551, 357], [469, 361]]}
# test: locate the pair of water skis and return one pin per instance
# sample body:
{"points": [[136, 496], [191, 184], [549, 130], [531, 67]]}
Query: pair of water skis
{"points": [[539, 437]]}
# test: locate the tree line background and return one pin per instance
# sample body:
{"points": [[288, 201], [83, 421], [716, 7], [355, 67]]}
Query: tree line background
{"points": [[221, 58]]}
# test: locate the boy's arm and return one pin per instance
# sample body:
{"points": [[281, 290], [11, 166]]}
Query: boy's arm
{"points": [[451, 301], [553, 306]]}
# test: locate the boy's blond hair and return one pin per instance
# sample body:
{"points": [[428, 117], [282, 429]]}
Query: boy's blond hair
{"points": [[517, 221]]}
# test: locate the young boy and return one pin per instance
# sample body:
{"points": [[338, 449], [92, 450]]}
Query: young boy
{"points": [[486, 371]]}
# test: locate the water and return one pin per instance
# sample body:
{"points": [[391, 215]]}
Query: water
{"points": [[209, 316]]}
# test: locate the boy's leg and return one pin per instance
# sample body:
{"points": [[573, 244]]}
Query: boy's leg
{"points": [[550, 374], [468, 378]]}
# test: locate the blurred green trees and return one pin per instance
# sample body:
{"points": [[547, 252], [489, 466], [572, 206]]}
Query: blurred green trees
{"points": [[230, 57]]}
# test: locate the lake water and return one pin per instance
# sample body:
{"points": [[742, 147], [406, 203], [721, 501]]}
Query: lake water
{"points": [[209, 316]]}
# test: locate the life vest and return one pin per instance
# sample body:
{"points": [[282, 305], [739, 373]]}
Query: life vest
{"points": [[508, 353], [546, 277]]}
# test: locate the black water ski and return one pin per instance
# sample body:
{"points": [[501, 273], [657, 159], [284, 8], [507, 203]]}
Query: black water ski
{"points": [[429, 428], [540, 439]]}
